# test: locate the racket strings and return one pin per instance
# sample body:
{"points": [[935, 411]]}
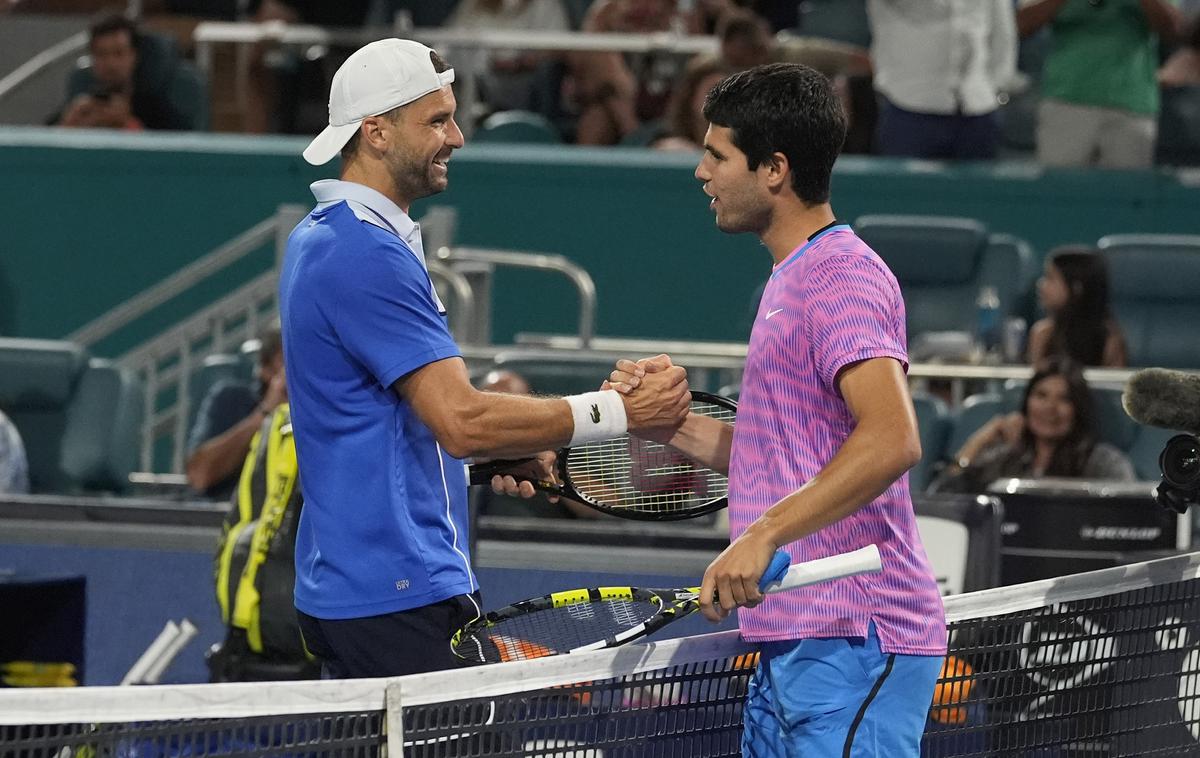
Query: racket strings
{"points": [[551, 631], [635, 473]]}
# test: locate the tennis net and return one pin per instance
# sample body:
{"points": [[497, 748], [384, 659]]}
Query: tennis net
{"points": [[1099, 664]]}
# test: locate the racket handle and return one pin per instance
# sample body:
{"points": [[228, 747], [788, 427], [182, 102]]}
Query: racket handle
{"points": [[776, 570], [482, 473], [865, 560]]}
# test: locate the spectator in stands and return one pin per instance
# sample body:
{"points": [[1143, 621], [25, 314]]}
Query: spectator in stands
{"points": [[745, 39], [1073, 291], [616, 93], [229, 416], [276, 73], [1054, 434], [14, 467], [136, 81], [1099, 93], [941, 69], [513, 79], [1182, 68], [685, 123]]}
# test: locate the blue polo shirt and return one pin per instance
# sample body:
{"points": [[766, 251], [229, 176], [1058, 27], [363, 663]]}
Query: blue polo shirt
{"points": [[384, 525]]}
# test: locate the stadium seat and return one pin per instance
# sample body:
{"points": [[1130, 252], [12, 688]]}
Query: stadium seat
{"points": [[79, 417], [933, 424], [215, 369], [943, 262], [517, 126], [1155, 293], [975, 411]]}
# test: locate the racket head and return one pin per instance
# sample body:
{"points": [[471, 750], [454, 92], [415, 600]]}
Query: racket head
{"points": [[639, 479], [569, 621]]}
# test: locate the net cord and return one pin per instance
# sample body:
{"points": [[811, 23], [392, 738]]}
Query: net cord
{"points": [[1064, 589], [250, 699]]}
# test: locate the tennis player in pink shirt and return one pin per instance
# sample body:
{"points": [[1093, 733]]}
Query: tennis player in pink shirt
{"points": [[824, 437]]}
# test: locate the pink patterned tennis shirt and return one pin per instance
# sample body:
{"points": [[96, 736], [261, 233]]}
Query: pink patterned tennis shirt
{"points": [[829, 304]]}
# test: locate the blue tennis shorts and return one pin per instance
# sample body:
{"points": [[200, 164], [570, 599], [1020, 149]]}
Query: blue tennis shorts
{"points": [[837, 698]]}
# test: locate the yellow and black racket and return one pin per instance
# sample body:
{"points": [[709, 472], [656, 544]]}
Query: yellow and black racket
{"points": [[634, 478], [601, 617]]}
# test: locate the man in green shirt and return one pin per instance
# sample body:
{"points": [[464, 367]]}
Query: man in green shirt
{"points": [[1099, 93]]}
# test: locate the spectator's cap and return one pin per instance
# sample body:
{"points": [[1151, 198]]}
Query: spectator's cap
{"points": [[376, 78]]}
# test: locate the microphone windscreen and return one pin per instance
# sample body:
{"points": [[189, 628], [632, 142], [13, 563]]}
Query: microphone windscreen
{"points": [[1164, 398]]}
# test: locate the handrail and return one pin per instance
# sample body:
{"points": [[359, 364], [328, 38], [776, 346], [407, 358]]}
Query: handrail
{"points": [[463, 295], [43, 60], [185, 278], [540, 262], [636, 347], [211, 32]]}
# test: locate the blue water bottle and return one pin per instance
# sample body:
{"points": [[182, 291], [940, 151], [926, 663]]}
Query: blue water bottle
{"points": [[987, 321]]}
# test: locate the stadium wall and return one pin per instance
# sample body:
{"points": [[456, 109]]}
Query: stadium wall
{"points": [[92, 218]]}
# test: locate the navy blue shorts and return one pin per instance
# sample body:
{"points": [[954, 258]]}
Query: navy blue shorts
{"points": [[840, 698], [394, 644]]}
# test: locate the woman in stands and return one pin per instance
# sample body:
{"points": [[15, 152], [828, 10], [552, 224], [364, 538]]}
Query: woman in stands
{"points": [[1073, 292], [1054, 434]]}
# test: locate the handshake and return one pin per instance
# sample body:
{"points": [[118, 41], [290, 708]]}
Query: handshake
{"points": [[654, 392]]}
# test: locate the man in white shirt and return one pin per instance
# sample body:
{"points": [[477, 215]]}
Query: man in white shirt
{"points": [[941, 67]]}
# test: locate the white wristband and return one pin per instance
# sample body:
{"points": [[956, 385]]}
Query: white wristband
{"points": [[598, 416]]}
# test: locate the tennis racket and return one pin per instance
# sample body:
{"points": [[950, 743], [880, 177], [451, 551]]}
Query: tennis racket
{"points": [[632, 477], [602, 617]]}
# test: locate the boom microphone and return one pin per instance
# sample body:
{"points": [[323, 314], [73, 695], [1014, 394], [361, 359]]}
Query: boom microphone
{"points": [[1163, 398]]}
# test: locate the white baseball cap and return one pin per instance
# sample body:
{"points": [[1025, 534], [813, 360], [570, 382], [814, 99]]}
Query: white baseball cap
{"points": [[376, 78]]}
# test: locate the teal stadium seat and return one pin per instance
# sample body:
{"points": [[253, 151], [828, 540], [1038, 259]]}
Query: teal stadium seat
{"points": [[517, 126], [215, 369], [974, 412], [942, 262], [79, 417], [1154, 286], [933, 424]]}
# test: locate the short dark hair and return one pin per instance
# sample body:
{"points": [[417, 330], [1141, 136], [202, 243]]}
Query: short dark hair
{"points": [[348, 150], [112, 23], [783, 108]]}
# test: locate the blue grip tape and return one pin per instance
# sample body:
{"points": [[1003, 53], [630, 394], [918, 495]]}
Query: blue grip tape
{"points": [[775, 569]]}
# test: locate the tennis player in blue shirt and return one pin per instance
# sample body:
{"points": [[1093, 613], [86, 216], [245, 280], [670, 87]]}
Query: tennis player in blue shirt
{"points": [[382, 409]]}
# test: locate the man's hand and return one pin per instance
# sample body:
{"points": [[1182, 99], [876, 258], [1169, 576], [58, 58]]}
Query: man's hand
{"points": [[735, 574], [627, 376], [661, 398], [276, 391], [542, 468]]}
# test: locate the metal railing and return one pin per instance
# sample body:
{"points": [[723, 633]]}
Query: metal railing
{"points": [[57, 52], [165, 364], [584, 286]]}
